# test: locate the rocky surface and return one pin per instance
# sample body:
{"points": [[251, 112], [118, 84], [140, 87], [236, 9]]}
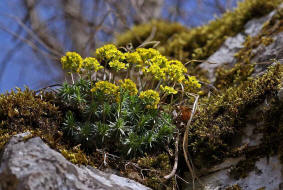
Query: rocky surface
{"points": [[225, 55], [267, 173], [32, 165]]}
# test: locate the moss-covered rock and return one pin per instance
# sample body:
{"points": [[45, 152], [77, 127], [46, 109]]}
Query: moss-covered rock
{"points": [[222, 115]]}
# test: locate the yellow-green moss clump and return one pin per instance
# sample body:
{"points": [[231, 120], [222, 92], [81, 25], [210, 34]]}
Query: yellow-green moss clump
{"points": [[201, 42], [24, 110], [221, 116], [160, 31], [21, 110], [156, 166]]}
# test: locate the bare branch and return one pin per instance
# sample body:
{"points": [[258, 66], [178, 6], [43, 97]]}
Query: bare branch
{"points": [[30, 43], [33, 35]]}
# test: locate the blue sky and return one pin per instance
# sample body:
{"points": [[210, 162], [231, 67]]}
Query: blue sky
{"points": [[19, 72]]}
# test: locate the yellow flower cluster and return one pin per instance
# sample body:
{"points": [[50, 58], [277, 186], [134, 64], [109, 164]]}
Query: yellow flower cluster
{"points": [[151, 98], [112, 56], [105, 87], [133, 58], [118, 65], [72, 61], [159, 66], [150, 61], [156, 67], [129, 86], [91, 64], [176, 71], [191, 84], [168, 90], [109, 53], [147, 54], [147, 61]]}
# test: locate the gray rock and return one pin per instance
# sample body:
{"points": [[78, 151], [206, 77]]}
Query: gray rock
{"points": [[224, 57], [253, 27], [264, 55], [268, 172], [268, 176], [32, 165]]}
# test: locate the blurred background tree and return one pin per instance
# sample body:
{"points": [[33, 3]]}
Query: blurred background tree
{"points": [[34, 34]]}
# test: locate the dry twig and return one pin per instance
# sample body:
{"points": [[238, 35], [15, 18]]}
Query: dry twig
{"points": [[185, 140], [173, 172]]}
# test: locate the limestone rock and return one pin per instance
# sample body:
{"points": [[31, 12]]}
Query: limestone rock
{"points": [[267, 176], [32, 165], [225, 55]]}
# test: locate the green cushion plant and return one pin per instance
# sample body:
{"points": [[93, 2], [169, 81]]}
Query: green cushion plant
{"points": [[114, 113]]}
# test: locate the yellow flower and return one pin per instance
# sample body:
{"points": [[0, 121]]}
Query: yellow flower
{"points": [[155, 70], [151, 98], [105, 87], [117, 65], [129, 86], [191, 84], [147, 54], [176, 71], [72, 61], [133, 58], [160, 60], [168, 89], [109, 53], [91, 64]]}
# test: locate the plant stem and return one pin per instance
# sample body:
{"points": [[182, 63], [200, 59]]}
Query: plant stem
{"points": [[72, 78]]}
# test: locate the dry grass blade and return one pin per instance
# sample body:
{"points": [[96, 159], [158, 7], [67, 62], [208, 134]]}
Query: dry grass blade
{"points": [[185, 140], [155, 44], [173, 172]]}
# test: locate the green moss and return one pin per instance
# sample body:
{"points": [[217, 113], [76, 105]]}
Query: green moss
{"points": [[21, 110], [162, 32], [161, 161], [271, 142], [157, 166], [221, 116], [234, 76], [218, 120]]}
